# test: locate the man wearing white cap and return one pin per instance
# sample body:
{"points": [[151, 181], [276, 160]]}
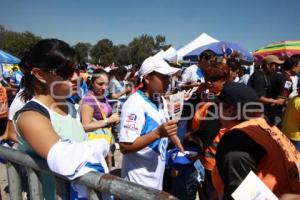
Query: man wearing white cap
{"points": [[144, 129]]}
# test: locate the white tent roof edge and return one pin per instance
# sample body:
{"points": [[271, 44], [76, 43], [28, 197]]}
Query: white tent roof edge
{"points": [[201, 40]]}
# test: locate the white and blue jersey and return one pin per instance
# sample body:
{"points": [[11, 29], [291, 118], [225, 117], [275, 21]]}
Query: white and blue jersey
{"points": [[139, 117], [192, 74]]}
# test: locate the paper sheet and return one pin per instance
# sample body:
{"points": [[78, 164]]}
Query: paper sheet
{"points": [[252, 188], [175, 105]]}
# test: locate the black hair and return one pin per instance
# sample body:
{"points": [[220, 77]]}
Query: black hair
{"points": [[207, 54], [242, 70], [22, 64], [233, 64], [120, 72], [216, 72], [47, 54], [83, 66], [98, 72], [290, 63], [297, 56]]}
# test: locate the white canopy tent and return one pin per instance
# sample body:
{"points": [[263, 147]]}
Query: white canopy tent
{"points": [[201, 40]]}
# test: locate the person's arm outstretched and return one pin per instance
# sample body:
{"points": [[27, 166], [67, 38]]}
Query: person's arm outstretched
{"points": [[37, 131]]}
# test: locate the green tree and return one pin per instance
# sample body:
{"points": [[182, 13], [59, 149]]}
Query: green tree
{"points": [[17, 43], [2, 34], [144, 46], [121, 54], [140, 48], [82, 50], [103, 52], [160, 42]]}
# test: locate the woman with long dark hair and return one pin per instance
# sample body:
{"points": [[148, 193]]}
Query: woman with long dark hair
{"points": [[47, 125]]}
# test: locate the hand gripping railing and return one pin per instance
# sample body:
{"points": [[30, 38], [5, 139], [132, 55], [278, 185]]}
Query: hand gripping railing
{"points": [[95, 182]]}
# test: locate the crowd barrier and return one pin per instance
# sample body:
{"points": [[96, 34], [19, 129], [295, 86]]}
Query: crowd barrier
{"points": [[95, 182]]}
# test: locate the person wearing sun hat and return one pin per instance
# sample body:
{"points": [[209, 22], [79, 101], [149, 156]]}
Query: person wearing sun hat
{"points": [[252, 144], [144, 127], [262, 81]]}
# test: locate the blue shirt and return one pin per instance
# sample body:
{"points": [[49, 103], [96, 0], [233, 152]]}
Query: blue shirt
{"points": [[77, 97]]}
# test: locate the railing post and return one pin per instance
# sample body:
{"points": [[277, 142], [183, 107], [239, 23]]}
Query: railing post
{"points": [[95, 182], [14, 182], [93, 195], [35, 186], [62, 189]]}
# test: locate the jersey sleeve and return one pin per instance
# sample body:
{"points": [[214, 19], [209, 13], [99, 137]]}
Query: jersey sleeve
{"points": [[285, 89], [111, 87], [132, 122], [186, 76]]}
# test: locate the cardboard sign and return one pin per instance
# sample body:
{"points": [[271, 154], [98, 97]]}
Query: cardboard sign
{"points": [[175, 105]]}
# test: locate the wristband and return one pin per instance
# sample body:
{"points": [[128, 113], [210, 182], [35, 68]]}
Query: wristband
{"points": [[106, 122]]}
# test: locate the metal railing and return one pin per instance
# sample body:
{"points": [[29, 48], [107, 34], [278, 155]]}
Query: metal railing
{"points": [[95, 182]]}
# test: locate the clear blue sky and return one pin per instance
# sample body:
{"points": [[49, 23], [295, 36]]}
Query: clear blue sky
{"points": [[251, 23]]}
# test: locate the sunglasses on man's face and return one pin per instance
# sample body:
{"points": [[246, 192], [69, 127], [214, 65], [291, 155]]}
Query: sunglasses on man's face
{"points": [[66, 72]]}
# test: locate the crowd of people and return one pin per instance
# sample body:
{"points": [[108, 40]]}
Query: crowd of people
{"points": [[236, 118]]}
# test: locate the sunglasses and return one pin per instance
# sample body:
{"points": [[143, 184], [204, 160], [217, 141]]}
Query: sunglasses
{"points": [[66, 72]]}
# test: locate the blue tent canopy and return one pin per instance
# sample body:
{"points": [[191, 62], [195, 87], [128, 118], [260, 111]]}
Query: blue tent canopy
{"points": [[217, 48], [7, 58]]}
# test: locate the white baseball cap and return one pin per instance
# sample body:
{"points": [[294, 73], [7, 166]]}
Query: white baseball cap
{"points": [[152, 64]]}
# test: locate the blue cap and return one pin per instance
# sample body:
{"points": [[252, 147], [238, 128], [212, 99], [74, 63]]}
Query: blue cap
{"points": [[177, 159]]}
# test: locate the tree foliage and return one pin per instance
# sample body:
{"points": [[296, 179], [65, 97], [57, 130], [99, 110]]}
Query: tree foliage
{"points": [[122, 54], [82, 50], [104, 51], [141, 47], [160, 42], [144, 46], [17, 43]]}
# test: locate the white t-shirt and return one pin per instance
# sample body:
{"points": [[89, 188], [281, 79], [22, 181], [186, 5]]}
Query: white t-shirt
{"points": [[244, 79], [295, 83], [16, 105], [139, 117], [116, 86], [192, 74]]}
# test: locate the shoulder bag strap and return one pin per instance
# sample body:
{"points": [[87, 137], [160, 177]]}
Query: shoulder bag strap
{"points": [[100, 108]]}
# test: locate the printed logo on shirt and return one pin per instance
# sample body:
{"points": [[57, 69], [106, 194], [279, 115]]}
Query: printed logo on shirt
{"points": [[288, 84], [131, 126], [131, 118]]}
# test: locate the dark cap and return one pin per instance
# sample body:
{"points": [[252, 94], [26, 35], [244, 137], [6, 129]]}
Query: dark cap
{"points": [[234, 93]]}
